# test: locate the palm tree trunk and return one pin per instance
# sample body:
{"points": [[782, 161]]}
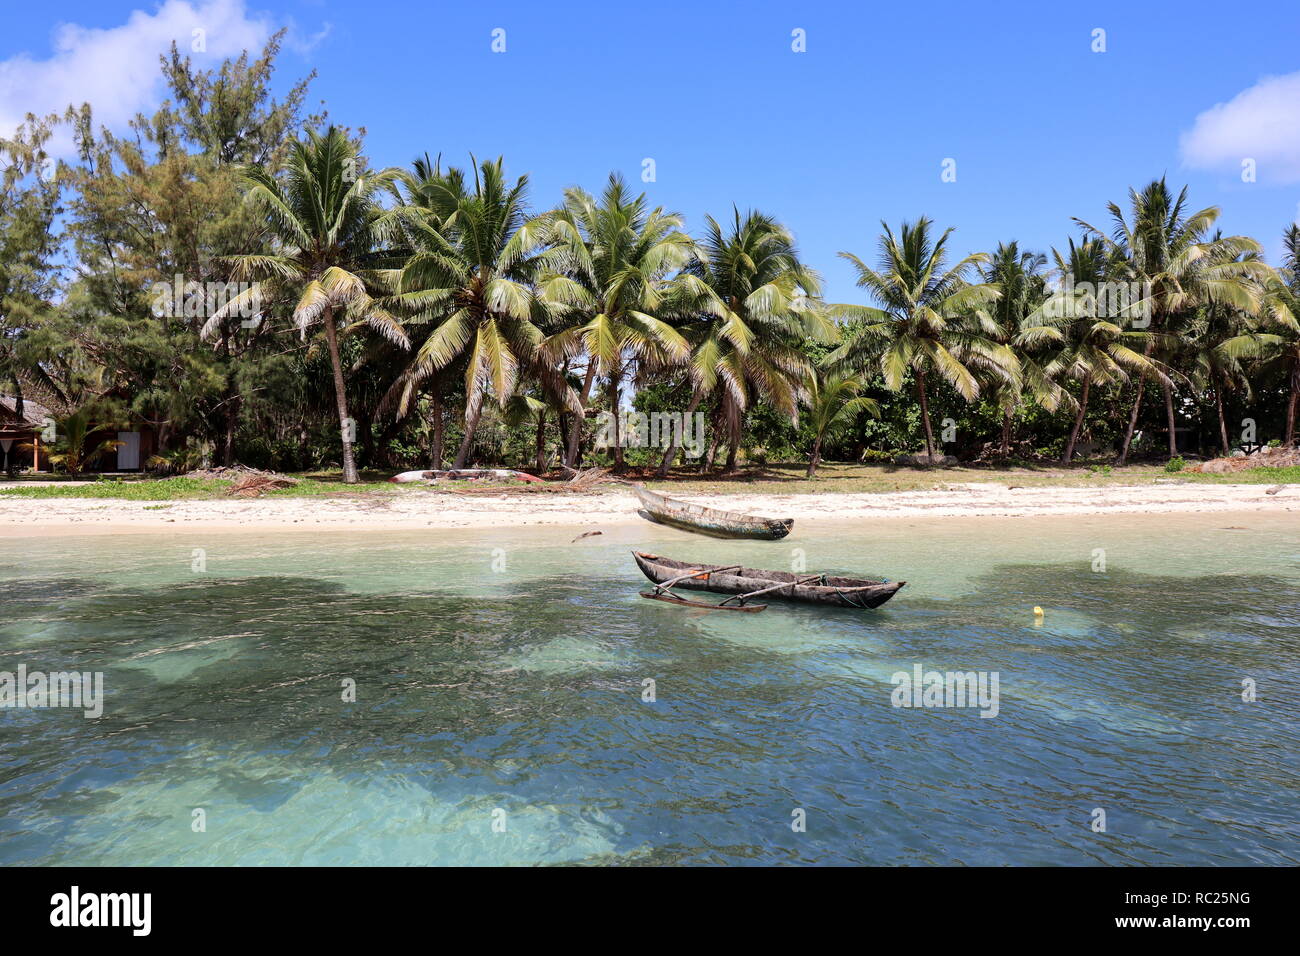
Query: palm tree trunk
{"points": [[1137, 407], [925, 416], [1292, 400], [1168, 391], [1006, 434], [733, 417], [384, 443], [1078, 421], [575, 432], [473, 412], [439, 434], [340, 399], [539, 460], [815, 458], [1132, 422], [671, 454], [706, 465], [365, 430], [228, 403], [1223, 422], [615, 380], [228, 438]]}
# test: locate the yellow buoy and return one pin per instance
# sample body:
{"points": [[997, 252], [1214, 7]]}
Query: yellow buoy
{"points": [[1038, 611]]}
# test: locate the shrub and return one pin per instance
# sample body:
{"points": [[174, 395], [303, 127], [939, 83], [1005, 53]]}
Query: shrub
{"points": [[1175, 464]]}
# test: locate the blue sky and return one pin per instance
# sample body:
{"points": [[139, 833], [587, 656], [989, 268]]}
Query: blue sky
{"points": [[831, 141]]}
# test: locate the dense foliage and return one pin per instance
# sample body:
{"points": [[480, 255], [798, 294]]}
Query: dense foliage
{"points": [[235, 275]]}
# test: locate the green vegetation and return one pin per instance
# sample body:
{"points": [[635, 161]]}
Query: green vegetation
{"points": [[1252, 476], [185, 489], [238, 280], [163, 489]]}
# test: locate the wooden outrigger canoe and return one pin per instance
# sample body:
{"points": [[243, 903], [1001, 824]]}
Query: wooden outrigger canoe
{"points": [[710, 521], [747, 583]]}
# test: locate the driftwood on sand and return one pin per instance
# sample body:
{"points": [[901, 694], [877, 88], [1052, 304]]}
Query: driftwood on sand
{"points": [[254, 485], [245, 482], [580, 480]]}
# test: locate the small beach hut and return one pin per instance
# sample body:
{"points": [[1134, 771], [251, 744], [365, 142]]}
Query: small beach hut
{"points": [[20, 435]]}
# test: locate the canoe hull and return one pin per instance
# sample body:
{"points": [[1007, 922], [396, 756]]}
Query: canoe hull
{"points": [[713, 522], [837, 591], [714, 529]]}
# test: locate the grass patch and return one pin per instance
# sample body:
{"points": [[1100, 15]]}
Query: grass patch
{"points": [[162, 489], [1253, 476]]}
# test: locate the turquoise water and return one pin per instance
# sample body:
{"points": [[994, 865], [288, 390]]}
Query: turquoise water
{"points": [[500, 677]]}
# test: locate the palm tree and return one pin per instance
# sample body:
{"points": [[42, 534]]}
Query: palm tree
{"points": [[922, 324], [523, 409], [1288, 306], [408, 382], [1214, 352], [834, 404], [1277, 337], [747, 304], [606, 270], [1017, 275], [471, 274], [1091, 349], [74, 429], [1217, 339], [327, 227], [1166, 251]]}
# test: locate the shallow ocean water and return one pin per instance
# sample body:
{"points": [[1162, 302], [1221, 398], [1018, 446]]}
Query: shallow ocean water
{"points": [[500, 677]]}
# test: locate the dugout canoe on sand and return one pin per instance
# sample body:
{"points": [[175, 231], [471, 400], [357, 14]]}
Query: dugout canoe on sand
{"points": [[711, 521]]}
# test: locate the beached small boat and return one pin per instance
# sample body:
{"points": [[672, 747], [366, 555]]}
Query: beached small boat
{"points": [[710, 521], [748, 583]]}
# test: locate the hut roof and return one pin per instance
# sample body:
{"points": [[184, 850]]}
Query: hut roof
{"points": [[34, 413]]}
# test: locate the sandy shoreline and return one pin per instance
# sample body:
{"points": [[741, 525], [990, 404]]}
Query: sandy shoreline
{"points": [[34, 517]]}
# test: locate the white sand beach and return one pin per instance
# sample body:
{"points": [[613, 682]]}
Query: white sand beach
{"points": [[415, 510]]}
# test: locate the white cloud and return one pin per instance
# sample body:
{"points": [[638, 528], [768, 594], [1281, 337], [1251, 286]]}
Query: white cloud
{"points": [[1261, 123], [304, 44], [116, 70]]}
